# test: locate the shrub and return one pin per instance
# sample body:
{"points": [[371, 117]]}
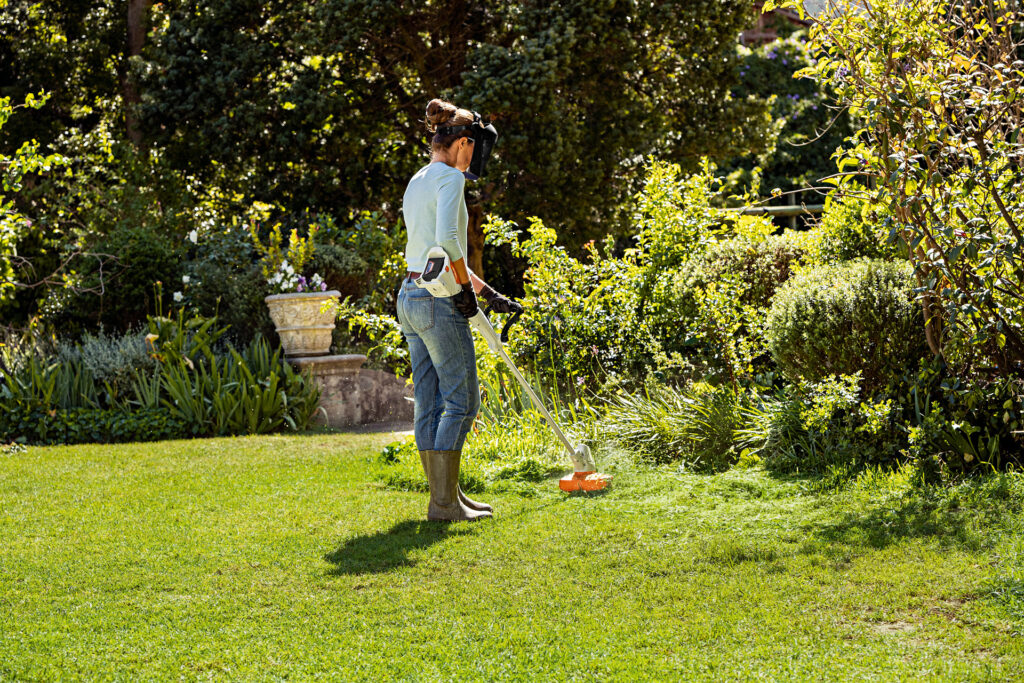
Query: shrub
{"points": [[959, 426], [252, 391], [849, 228], [694, 427], [713, 315], [814, 427], [761, 266], [39, 425], [594, 318], [110, 359], [198, 389], [225, 281], [48, 384], [858, 316], [144, 255]]}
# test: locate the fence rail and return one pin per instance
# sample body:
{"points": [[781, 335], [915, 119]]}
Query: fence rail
{"points": [[791, 211]]}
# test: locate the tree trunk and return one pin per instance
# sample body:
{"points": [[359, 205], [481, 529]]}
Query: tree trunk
{"points": [[138, 11], [475, 237]]}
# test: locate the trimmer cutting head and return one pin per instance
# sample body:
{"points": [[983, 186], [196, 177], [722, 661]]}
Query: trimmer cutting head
{"points": [[585, 477]]}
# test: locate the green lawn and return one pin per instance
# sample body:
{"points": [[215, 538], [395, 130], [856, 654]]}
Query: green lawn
{"points": [[280, 557]]}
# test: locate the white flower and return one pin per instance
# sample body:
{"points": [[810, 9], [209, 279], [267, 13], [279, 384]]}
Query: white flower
{"points": [[177, 296], [185, 279], [193, 236]]}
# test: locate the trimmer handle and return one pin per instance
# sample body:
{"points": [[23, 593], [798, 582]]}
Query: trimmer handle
{"points": [[512, 319]]}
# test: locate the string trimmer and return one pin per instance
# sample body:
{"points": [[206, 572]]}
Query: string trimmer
{"points": [[439, 280]]}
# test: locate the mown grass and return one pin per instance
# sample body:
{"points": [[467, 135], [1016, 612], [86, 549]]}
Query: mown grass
{"points": [[274, 557]]}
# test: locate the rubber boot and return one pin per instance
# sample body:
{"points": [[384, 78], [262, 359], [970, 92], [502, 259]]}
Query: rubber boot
{"points": [[466, 500], [474, 504], [443, 475]]}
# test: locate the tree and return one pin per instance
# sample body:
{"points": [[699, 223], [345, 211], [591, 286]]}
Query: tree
{"points": [[937, 87], [320, 105], [13, 169]]}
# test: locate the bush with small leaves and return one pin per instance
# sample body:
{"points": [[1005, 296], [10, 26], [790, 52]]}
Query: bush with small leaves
{"points": [[841, 319]]}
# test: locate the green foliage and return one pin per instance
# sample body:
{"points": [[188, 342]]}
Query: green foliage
{"points": [[958, 426], [26, 160], [693, 427], [69, 48], [282, 266], [37, 425], [110, 359], [362, 258], [937, 86], [761, 266], [249, 392], [144, 255], [597, 320], [713, 315], [40, 384], [805, 127], [365, 262], [379, 336], [818, 427], [224, 280], [849, 228], [185, 383], [101, 235], [857, 316], [274, 99]]}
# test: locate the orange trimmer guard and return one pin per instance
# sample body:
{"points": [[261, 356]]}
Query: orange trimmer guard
{"points": [[584, 481]]}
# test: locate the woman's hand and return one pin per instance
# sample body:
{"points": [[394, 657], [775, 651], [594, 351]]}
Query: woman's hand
{"points": [[499, 303], [465, 301]]}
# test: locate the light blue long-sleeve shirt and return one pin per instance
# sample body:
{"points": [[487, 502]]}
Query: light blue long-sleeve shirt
{"points": [[434, 207]]}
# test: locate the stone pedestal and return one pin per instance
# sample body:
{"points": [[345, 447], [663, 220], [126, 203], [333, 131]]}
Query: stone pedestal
{"points": [[352, 395]]}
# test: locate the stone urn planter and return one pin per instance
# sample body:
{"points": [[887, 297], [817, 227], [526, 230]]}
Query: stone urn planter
{"points": [[304, 329]]}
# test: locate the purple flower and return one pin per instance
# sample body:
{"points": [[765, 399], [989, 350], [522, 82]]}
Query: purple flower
{"points": [[323, 286], [299, 289], [785, 61]]}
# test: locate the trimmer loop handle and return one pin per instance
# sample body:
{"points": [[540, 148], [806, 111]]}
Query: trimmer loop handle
{"points": [[512, 319]]}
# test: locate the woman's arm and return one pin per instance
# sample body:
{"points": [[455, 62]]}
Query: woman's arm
{"points": [[462, 274], [450, 191]]}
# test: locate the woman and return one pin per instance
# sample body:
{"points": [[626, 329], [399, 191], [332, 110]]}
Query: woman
{"points": [[437, 329]]}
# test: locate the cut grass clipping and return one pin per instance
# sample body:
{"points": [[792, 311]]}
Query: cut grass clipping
{"points": [[498, 456]]}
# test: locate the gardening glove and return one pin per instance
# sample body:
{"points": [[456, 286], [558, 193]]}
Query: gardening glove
{"points": [[500, 303], [465, 301]]}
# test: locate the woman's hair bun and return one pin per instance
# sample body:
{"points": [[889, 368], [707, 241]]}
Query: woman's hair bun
{"points": [[439, 113]]}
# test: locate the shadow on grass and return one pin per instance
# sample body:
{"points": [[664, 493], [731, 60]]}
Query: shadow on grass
{"points": [[387, 550], [963, 516], [909, 518]]}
